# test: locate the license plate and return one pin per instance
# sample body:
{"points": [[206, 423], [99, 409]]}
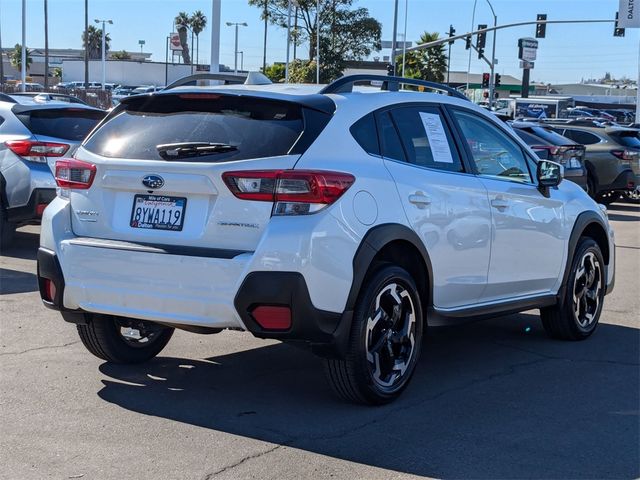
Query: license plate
{"points": [[157, 212], [574, 162]]}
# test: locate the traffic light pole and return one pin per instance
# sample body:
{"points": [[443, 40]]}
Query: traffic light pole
{"points": [[435, 43], [492, 86]]}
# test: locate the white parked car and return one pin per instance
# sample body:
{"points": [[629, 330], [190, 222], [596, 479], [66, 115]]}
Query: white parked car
{"points": [[346, 220]]}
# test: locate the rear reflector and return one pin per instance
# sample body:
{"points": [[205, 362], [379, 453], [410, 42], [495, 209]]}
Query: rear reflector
{"points": [[74, 174], [40, 209], [49, 290], [37, 151], [294, 192], [272, 318]]}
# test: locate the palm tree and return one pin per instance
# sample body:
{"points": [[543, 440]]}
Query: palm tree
{"points": [[198, 23], [427, 63], [15, 57], [95, 42], [183, 22]]}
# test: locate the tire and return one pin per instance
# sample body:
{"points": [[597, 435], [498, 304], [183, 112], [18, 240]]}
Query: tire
{"points": [[7, 230], [103, 337], [577, 314], [387, 327]]}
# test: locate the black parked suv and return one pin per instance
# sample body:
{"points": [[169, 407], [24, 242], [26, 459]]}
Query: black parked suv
{"points": [[550, 145]]}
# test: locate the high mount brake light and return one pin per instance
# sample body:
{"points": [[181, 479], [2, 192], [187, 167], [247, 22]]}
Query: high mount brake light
{"points": [[74, 174], [294, 192], [37, 151]]}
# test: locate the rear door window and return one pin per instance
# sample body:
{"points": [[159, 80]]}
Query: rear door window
{"points": [[72, 124], [201, 127], [425, 138]]}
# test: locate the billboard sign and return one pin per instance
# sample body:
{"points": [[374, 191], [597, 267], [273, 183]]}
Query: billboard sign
{"points": [[528, 49], [174, 40]]}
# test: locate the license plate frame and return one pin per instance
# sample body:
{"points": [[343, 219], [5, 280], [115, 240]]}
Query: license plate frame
{"points": [[147, 218]]}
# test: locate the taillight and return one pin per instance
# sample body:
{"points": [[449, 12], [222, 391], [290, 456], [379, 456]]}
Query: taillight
{"points": [[74, 174], [626, 156], [37, 151], [294, 192]]}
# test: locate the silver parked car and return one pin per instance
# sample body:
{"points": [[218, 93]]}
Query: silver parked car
{"points": [[32, 136]]}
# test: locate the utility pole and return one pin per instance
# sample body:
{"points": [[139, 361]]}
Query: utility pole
{"points": [[23, 54], [393, 40], [214, 66], [318, 42], [46, 46], [264, 52], [86, 44], [1, 54]]}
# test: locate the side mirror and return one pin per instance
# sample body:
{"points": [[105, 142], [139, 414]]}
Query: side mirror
{"points": [[549, 173]]}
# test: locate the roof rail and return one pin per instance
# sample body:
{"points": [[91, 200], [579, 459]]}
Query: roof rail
{"points": [[345, 84], [251, 78]]}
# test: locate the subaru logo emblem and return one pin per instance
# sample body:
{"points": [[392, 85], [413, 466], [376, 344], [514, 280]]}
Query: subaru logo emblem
{"points": [[153, 182]]}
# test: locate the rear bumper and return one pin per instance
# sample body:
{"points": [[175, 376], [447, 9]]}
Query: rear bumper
{"points": [[204, 287], [32, 211], [622, 182]]}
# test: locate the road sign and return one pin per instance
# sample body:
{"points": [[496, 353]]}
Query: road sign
{"points": [[175, 42], [141, 42], [527, 65], [527, 49], [629, 14], [399, 44]]}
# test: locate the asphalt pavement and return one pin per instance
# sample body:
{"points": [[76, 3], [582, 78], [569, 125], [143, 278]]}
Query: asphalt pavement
{"points": [[495, 399]]}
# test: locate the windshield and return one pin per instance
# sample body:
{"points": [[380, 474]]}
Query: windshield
{"points": [[628, 138]]}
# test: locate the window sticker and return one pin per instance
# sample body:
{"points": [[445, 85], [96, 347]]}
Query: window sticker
{"points": [[437, 137]]}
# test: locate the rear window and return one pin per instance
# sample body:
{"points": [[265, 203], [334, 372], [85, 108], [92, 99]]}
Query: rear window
{"points": [[528, 138], [72, 124], [628, 139], [550, 136], [244, 127]]}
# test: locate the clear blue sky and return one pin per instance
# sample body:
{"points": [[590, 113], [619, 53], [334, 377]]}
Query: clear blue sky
{"points": [[569, 53]]}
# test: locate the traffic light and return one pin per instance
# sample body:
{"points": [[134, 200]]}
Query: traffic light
{"points": [[496, 81], [618, 31], [486, 77], [541, 28], [481, 40], [452, 32], [467, 43], [391, 70]]}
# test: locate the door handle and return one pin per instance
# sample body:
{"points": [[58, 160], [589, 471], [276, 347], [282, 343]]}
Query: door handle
{"points": [[420, 200], [499, 203]]}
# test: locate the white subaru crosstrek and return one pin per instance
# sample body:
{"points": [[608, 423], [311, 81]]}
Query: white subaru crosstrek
{"points": [[345, 220]]}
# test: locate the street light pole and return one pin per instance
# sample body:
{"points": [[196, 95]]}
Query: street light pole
{"points": [[104, 49], [235, 51], [286, 68], [404, 37]]}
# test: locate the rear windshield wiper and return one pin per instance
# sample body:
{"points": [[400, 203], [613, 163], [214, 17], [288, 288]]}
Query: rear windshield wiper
{"points": [[174, 151]]}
